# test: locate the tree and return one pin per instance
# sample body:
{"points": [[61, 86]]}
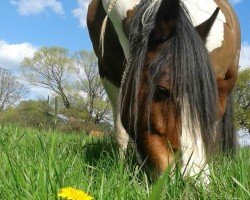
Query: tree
{"points": [[242, 100], [50, 68], [90, 88], [11, 91]]}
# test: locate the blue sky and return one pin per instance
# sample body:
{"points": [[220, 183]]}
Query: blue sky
{"points": [[26, 25], [44, 27], [242, 9]]}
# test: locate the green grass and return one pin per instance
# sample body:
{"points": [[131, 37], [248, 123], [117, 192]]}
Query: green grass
{"points": [[36, 164]]}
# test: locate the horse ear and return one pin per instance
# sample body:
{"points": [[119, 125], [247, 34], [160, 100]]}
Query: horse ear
{"points": [[166, 19], [204, 28]]}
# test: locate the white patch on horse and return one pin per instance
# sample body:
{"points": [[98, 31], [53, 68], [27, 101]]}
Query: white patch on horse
{"points": [[199, 12], [112, 91], [117, 15], [194, 160], [113, 94]]}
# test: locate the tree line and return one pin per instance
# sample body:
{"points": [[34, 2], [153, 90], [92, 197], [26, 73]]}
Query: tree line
{"points": [[73, 80]]}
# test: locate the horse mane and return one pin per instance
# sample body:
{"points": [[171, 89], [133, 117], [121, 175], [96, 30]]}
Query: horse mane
{"points": [[192, 79]]}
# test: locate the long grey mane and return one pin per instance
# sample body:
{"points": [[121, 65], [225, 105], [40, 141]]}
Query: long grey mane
{"points": [[185, 54]]}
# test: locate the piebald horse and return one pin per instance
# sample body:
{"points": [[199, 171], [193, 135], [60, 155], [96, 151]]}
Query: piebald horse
{"points": [[169, 67]]}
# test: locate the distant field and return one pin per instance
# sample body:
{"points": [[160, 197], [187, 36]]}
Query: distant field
{"points": [[36, 164]]}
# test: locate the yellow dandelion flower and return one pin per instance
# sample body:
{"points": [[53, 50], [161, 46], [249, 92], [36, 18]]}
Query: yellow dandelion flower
{"points": [[73, 194]]}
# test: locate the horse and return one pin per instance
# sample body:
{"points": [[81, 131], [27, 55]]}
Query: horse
{"points": [[169, 67]]}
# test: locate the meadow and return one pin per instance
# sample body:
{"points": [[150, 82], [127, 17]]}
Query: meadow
{"points": [[35, 164]]}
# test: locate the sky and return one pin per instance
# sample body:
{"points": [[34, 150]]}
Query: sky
{"points": [[27, 25]]}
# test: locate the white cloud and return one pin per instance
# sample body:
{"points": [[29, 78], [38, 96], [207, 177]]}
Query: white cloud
{"points": [[81, 12], [11, 55], [245, 56], [29, 7]]}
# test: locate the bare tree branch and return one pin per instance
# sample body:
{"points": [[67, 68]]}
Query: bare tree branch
{"points": [[11, 91], [49, 68], [90, 86]]}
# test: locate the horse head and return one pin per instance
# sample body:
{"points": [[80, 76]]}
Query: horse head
{"points": [[169, 95]]}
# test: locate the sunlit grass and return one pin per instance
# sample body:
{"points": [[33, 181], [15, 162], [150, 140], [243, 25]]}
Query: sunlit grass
{"points": [[37, 164]]}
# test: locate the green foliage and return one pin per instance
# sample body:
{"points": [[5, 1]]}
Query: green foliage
{"points": [[36, 164], [90, 84], [242, 100], [50, 68], [33, 113], [41, 114], [48, 65]]}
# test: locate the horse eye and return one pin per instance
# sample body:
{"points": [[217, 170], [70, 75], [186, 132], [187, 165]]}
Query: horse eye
{"points": [[162, 92]]}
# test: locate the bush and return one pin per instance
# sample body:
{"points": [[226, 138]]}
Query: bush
{"points": [[29, 113], [38, 114]]}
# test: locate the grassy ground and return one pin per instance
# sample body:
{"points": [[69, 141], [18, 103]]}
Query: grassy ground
{"points": [[36, 164]]}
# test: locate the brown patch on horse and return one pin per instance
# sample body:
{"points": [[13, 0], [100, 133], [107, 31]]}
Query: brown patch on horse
{"points": [[158, 144], [225, 66], [111, 64]]}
